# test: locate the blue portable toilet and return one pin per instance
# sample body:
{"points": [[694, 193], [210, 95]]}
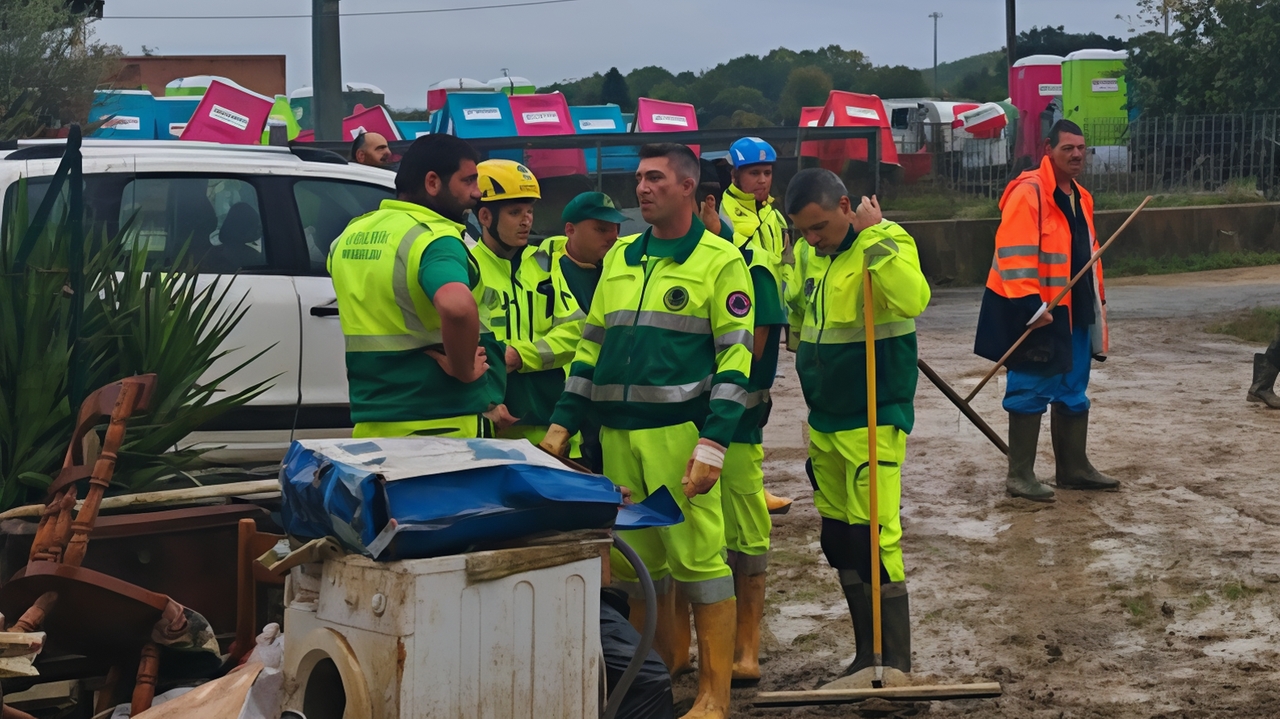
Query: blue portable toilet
{"points": [[473, 115], [172, 115], [413, 129], [126, 114], [604, 119]]}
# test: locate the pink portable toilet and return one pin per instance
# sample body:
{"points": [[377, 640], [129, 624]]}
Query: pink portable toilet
{"points": [[375, 119], [809, 117], [985, 121], [437, 93], [663, 116], [539, 115], [1034, 82], [229, 114], [852, 109]]}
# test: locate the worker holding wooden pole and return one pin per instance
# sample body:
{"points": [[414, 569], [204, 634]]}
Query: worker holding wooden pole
{"points": [[832, 363], [1046, 237]]}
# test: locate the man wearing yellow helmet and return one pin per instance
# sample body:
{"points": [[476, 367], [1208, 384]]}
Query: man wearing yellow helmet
{"points": [[540, 326]]}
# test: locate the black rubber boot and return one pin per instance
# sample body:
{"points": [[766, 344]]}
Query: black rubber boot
{"points": [[1024, 434], [1264, 380], [1070, 439], [858, 595], [895, 626]]}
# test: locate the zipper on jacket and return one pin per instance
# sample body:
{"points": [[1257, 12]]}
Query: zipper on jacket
{"points": [[635, 321]]}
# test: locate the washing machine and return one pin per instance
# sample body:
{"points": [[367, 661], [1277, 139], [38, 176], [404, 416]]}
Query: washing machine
{"points": [[511, 633]]}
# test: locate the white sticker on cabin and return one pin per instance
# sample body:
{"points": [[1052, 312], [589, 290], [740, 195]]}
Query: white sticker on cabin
{"points": [[176, 128], [481, 113], [356, 132], [1106, 84], [1049, 89], [416, 135], [547, 117], [864, 113], [230, 117], [123, 123], [678, 120], [605, 124]]}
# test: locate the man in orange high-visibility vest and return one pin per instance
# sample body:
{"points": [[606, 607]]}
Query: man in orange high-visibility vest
{"points": [[1046, 237]]}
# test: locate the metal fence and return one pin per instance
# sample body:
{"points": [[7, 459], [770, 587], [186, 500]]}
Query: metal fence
{"points": [[1179, 153]]}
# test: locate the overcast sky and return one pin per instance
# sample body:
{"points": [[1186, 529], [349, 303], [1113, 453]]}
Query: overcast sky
{"points": [[404, 54]]}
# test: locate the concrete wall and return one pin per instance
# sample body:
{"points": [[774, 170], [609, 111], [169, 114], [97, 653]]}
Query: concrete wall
{"points": [[960, 251]]}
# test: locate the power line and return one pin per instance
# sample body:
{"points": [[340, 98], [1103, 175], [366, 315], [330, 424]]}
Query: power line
{"points": [[345, 14]]}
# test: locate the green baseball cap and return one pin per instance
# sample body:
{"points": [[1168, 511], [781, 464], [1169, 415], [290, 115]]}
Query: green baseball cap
{"points": [[592, 206]]}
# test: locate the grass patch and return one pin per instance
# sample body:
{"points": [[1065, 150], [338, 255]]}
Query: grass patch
{"points": [[1201, 602], [1235, 192], [1141, 607], [790, 558], [940, 206], [1256, 326], [1234, 591], [1133, 266]]}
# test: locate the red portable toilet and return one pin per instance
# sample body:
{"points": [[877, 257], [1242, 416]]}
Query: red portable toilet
{"points": [[375, 119], [1034, 82], [229, 114], [985, 121], [540, 115], [809, 117], [851, 109], [663, 116]]}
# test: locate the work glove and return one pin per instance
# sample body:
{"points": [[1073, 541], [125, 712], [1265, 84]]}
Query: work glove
{"points": [[556, 441], [703, 469]]}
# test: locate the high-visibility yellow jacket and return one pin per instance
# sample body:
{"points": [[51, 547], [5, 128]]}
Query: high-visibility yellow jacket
{"points": [[388, 321], [668, 339], [764, 224]]}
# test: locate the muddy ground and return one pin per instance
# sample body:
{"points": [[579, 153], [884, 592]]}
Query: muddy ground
{"points": [[1160, 600]]}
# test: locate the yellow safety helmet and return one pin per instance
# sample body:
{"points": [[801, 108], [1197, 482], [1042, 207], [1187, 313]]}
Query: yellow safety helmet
{"points": [[507, 180]]}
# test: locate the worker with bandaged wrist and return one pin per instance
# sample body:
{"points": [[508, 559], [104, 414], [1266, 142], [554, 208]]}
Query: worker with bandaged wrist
{"points": [[663, 365]]}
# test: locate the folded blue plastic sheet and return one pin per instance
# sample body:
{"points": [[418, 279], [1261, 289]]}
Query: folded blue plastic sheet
{"points": [[428, 496]]}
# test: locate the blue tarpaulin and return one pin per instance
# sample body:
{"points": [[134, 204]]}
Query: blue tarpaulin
{"points": [[429, 496]]}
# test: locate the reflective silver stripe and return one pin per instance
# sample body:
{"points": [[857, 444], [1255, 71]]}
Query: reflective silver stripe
{"points": [[607, 393], [848, 335], [1025, 273], [1052, 258], [593, 333], [668, 394], [729, 393], [1018, 251], [661, 320], [541, 257], [757, 398], [577, 315], [1053, 281], [736, 337], [545, 353], [389, 343], [579, 385], [400, 282], [709, 591]]}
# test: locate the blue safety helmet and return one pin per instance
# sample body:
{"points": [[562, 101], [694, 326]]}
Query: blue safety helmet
{"points": [[751, 151]]}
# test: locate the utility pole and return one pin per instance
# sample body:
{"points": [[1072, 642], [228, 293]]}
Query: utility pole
{"points": [[1166, 18], [935, 16], [1010, 31], [326, 71]]}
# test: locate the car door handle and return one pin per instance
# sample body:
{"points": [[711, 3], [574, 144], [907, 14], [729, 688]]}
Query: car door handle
{"points": [[324, 311]]}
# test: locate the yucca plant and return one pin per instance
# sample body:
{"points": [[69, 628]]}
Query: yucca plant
{"points": [[135, 319]]}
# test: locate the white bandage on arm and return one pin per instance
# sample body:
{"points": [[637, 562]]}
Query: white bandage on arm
{"points": [[709, 454], [1044, 306]]}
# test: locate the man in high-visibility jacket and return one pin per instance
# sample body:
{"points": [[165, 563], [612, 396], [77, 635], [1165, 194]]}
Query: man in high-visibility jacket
{"points": [[420, 356], [591, 223], [663, 364], [539, 325], [831, 362], [1046, 237]]}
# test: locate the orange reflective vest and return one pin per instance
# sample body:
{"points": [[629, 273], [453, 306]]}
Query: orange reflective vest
{"points": [[1032, 264]]}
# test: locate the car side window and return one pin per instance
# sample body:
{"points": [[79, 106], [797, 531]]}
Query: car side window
{"points": [[326, 206], [215, 220]]}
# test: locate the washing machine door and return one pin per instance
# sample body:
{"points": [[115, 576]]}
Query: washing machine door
{"points": [[330, 683]]}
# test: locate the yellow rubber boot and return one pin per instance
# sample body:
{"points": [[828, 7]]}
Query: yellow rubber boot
{"points": [[680, 633], [716, 626], [776, 504], [746, 647]]}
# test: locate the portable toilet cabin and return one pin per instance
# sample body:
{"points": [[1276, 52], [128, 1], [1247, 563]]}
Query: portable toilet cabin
{"points": [[172, 114], [604, 119], [125, 114], [353, 93], [512, 86], [413, 129], [229, 114], [541, 115], [809, 117], [474, 115], [852, 109], [437, 93], [985, 144], [1034, 82], [663, 116], [1094, 94], [375, 119], [282, 115]]}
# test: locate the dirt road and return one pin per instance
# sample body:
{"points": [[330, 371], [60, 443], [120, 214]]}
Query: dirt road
{"points": [[1160, 600]]}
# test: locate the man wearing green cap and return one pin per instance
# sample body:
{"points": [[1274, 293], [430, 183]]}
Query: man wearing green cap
{"points": [[591, 224]]}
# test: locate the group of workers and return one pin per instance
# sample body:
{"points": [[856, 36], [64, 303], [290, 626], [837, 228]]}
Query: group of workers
{"points": [[651, 357]]}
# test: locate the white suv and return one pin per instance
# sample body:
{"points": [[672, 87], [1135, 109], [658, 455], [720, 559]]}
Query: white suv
{"points": [[267, 214]]}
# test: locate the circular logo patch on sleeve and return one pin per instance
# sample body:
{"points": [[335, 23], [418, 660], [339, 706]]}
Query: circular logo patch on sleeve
{"points": [[738, 304]]}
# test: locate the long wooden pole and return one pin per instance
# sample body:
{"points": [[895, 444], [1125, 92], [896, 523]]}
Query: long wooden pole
{"points": [[869, 322], [1056, 300]]}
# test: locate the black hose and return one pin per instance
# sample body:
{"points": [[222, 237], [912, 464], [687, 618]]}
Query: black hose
{"points": [[646, 634]]}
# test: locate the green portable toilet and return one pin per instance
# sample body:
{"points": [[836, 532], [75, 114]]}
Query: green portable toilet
{"points": [[281, 114], [509, 85], [1094, 95]]}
